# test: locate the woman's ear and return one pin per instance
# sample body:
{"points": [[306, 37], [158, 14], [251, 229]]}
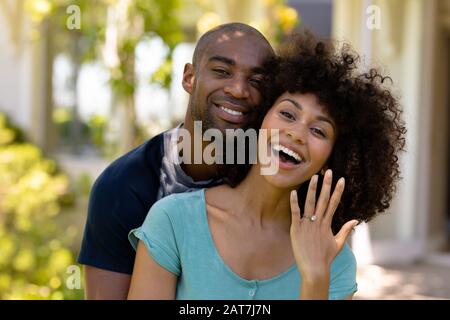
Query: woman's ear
{"points": [[188, 78]]}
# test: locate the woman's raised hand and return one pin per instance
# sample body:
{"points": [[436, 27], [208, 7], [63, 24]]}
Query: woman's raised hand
{"points": [[313, 242]]}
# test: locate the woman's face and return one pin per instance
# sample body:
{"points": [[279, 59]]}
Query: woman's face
{"points": [[306, 138]]}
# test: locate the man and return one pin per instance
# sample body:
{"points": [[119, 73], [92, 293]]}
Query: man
{"points": [[224, 86]]}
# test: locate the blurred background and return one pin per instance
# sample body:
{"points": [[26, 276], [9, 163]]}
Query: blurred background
{"points": [[82, 82]]}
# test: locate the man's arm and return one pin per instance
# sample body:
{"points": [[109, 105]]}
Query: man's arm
{"points": [[101, 284], [150, 280]]}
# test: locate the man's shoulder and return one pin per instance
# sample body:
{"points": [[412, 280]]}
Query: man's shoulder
{"points": [[135, 175], [144, 156], [137, 163]]}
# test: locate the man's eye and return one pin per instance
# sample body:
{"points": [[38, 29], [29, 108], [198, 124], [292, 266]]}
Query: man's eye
{"points": [[256, 82], [318, 132], [221, 72], [287, 115]]}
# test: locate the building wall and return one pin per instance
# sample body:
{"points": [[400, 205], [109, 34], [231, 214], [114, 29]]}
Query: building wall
{"points": [[440, 121], [25, 95], [314, 15], [13, 66], [410, 47]]}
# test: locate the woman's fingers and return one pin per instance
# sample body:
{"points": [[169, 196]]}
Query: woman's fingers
{"points": [[310, 205], [334, 200], [343, 234], [324, 197], [295, 209]]}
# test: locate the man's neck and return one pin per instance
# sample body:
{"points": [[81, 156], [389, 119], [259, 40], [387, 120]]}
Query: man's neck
{"points": [[200, 172]]}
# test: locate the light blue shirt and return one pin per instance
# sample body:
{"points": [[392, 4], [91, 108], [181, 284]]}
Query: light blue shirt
{"points": [[177, 236]]}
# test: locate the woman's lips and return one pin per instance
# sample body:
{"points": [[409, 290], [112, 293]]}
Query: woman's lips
{"points": [[282, 163]]}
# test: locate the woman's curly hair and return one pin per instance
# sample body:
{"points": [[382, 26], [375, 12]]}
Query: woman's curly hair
{"points": [[366, 113]]}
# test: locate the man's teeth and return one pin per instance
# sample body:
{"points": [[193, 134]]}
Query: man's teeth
{"points": [[293, 154], [232, 112]]}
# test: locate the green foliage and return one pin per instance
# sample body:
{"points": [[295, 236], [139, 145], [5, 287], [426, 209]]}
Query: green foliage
{"points": [[35, 251], [97, 129], [93, 131], [83, 184], [157, 18], [145, 18], [163, 76]]}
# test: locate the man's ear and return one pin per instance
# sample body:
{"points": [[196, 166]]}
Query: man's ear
{"points": [[188, 77]]}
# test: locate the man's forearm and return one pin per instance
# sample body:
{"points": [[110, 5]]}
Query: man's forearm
{"points": [[103, 284]]}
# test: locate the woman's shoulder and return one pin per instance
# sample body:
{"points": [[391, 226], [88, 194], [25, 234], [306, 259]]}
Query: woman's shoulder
{"points": [[180, 202], [345, 260]]}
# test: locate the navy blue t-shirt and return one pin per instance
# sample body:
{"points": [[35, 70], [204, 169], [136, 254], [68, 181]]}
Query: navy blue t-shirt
{"points": [[119, 201], [123, 195]]}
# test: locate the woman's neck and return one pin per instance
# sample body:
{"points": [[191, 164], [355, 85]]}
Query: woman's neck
{"points": [[262, 202]]}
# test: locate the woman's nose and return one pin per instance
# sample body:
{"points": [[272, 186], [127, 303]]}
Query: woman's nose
{"points": [[298, 135]]}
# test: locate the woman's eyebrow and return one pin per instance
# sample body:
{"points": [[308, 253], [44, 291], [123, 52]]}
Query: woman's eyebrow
{"points": [[295, 103], [300, 107], [325, 119]]}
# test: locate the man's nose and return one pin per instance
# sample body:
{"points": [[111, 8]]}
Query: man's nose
{"points": [[238, 87]]}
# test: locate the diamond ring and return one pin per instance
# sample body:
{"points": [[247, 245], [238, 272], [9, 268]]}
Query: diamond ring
{"points": [[312, 218]]}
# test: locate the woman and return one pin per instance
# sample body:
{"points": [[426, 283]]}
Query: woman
{"points": [[248, 239]]}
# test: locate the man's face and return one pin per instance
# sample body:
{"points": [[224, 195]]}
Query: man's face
{"points": [[225, 85]]}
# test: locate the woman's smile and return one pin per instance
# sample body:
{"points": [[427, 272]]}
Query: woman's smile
{"points": [[285, 157]]}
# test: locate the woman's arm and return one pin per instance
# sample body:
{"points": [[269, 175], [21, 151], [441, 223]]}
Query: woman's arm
{"points": [[150, 281]]}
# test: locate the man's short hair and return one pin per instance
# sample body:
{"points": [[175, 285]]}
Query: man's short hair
{"points": [[206, 38]]}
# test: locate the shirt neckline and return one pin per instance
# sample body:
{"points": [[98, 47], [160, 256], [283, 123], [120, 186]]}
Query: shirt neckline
{"points": [[182, 177], [222, 262]]}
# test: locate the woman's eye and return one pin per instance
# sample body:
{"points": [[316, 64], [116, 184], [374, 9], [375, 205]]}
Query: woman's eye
{"points": [[318, 132], [287, 115]]}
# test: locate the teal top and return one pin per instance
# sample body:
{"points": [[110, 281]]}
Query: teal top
{"points": [[177, 236]]}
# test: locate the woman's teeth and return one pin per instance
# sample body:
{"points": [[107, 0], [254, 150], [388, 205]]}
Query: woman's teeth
{"points": [[293, 154], [232, 112]]}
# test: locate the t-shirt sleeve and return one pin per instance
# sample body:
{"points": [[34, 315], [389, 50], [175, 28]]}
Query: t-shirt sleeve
{"points": [[343, 272], [112, 212], [159, 236], [119, 202]]}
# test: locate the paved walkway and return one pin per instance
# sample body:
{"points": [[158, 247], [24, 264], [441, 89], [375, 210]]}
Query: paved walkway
{"points": [[424, 281]]}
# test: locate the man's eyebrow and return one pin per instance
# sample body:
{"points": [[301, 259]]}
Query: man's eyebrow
{"points": [[222, 59], [231, 62], [320, 118], [258, 70]]}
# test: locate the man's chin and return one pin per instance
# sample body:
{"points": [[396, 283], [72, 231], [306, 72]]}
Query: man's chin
{"points": [[223, 125]]}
